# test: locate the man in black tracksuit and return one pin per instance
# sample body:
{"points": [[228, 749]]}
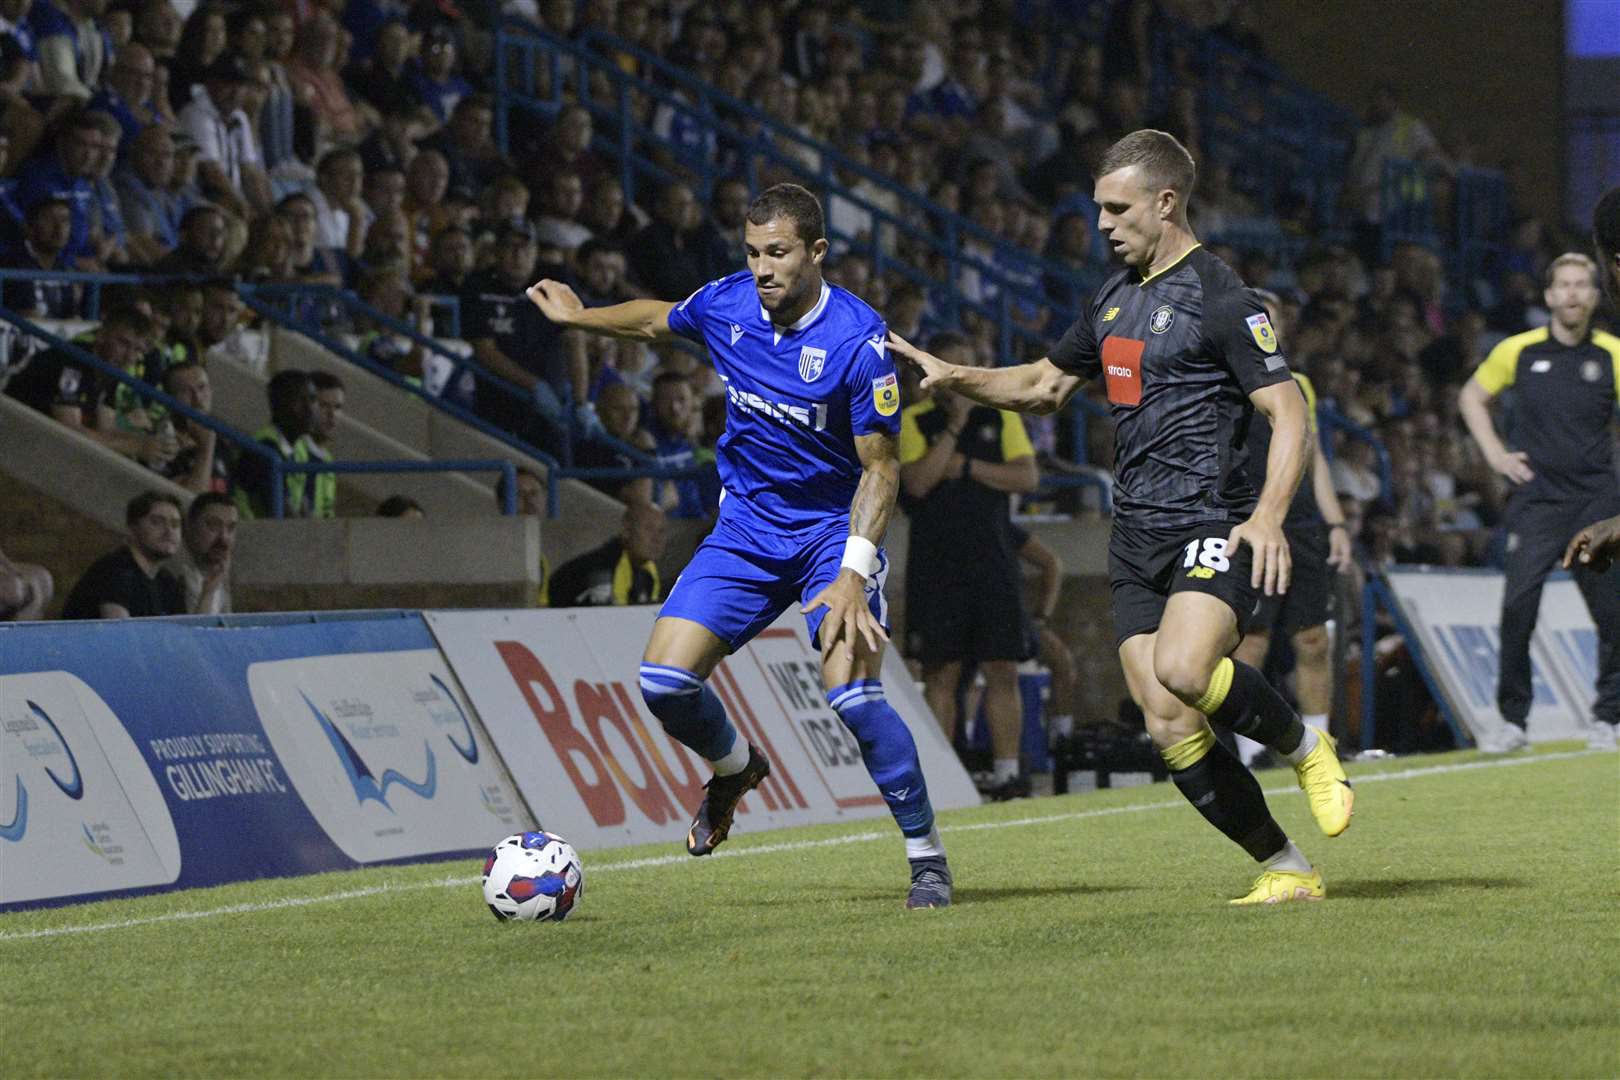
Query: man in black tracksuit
{"points": [[1565, 379]]}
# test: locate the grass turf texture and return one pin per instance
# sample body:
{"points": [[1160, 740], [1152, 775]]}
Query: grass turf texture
{"points": [[1470, 929]]}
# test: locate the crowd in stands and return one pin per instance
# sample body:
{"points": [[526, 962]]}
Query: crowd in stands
{"points": [[353, 144]]}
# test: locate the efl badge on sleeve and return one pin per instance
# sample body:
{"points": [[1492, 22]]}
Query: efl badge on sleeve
{"points": [[811, 361], [886, 394], [1264, 336]]}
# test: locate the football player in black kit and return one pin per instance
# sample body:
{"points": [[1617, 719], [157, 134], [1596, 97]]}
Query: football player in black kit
{"points": [[1188, 354]]}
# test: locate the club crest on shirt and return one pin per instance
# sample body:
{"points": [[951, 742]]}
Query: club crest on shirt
{"points": [[1162, 318], [886, 394], [811, 361], [1264, 335], [1591, 371]]}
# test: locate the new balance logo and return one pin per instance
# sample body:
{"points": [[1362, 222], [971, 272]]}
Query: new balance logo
{"points": [[1111, 314], [736, 332]]}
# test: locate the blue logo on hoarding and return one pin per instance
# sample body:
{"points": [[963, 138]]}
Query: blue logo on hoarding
{"points": [[73, 789], [13, 830], [366, 785], [470, 751]]}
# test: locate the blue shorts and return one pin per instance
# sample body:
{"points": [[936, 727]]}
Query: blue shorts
{"points": [[741, 578]]}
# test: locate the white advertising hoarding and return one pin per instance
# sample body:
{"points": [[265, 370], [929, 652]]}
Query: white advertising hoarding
{"points": [[79, 809], [558, 693], [1457, 617], [384, 753]]}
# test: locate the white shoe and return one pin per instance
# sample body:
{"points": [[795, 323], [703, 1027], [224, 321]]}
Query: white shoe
{"points": [[1504, 740], [1602, 736]]}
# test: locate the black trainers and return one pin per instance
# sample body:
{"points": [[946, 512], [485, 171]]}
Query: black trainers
{"points": [[713, 820], [930, 883], [1016, 787]]}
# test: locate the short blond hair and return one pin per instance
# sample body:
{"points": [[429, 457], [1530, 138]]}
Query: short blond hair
{"points": [[1574, 258]]}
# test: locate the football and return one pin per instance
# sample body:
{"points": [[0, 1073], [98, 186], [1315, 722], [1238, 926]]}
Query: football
{"points": [[533, 877]]}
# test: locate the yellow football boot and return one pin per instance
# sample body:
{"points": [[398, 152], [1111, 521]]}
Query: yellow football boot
{"points": [[1280, 886], [1325, 785]]}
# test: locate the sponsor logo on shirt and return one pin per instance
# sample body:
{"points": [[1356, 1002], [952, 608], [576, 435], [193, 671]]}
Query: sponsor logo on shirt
{"points": [[1162, 318], [1541, 367], [1591, 371], [1264, 335], [1122, 367], [811, 361], [886, 394]]}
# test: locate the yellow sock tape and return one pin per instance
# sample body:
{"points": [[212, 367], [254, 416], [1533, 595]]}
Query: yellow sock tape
{"points": [[1189, 751], [1220, 684]]}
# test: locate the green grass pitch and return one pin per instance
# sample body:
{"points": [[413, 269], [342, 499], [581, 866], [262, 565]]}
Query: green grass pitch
{"points": [[1471, 929]]}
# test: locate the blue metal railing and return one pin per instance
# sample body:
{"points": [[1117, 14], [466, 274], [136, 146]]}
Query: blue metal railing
{"points": [[507, 470], [279, 467], [939, 232], [244, 442], [1331, 419]]}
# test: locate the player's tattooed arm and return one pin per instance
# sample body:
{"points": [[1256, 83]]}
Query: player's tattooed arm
{"points": [[637, 320], [1041, 387], [880, 482]]}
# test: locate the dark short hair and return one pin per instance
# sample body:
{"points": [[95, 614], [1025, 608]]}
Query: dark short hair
{"points": [[325, 380], [284, 384], [129, 317], [142, 504], [198, 211], [793, 202], [398, 506], [500, 484], [175, 369], [668, 378], [48, 201], [332, 156], [1606, 239], [201, 503], [1164, 162], [595, 246]]}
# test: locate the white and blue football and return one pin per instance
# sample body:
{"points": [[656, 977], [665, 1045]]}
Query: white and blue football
{"points": [[533, 877]]}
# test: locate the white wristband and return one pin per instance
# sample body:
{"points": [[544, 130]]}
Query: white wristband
{"points": [[861, 556]]}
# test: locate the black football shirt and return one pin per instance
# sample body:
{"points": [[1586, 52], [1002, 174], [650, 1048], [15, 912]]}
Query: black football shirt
{"points": [[1180, 352]]}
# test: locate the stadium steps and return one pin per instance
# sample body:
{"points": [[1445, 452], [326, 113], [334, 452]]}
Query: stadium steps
{"points": [[62, 495]]}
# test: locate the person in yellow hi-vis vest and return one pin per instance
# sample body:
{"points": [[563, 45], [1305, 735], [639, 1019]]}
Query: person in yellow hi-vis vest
{"points": [[292, 406], [330, 397]]}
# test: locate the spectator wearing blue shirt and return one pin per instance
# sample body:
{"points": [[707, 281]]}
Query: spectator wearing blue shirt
{"points": [[672, 427], [68, 173], [126, 93], [150, 210], [433, 79], [44, 243], [73, 49]]}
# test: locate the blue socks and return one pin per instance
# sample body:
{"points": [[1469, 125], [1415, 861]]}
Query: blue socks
{"points": [[688, 709], [889, 752]]}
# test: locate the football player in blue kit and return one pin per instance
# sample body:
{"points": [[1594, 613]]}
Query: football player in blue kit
{"points": [[809, 467]]}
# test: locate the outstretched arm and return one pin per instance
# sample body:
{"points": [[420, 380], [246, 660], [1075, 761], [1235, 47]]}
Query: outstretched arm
{"points": [[1041, 387], [637, 320], [845, 599]]}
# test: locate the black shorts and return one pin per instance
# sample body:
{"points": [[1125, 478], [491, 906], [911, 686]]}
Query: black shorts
{"points": [[966, 623], [1146, 566], [1309, 599]]}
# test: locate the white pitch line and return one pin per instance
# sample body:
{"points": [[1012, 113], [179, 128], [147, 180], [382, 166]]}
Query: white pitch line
{"points": [[755, 849]]}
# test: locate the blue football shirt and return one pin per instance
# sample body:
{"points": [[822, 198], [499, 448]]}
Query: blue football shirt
{"points": [[797, 397]]}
